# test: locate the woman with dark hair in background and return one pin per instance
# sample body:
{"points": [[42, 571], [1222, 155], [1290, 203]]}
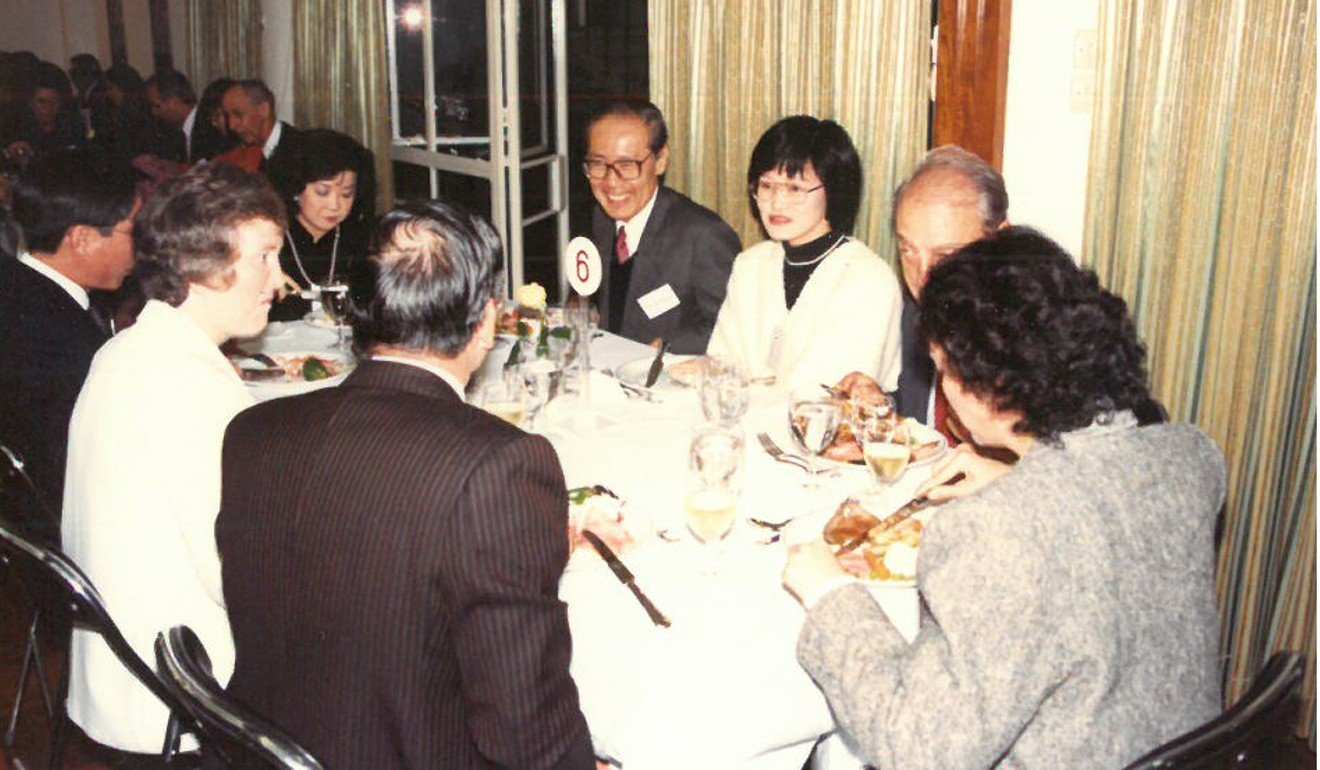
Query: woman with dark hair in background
{"points": [[812, 303], [329, 186], [211, 136], [49, 120], [1071, 604]]}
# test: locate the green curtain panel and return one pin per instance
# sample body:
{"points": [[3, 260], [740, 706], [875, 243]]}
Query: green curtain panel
{"points": [[340, 77], [1201, 212], [863, 63], [223, 40]]}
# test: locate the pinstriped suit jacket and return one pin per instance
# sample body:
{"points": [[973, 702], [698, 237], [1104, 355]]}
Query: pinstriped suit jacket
{"points": [[390, 563]]}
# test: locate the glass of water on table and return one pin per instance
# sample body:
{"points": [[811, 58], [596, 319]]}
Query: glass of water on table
{"points": [[715, 463], [813, 421]]}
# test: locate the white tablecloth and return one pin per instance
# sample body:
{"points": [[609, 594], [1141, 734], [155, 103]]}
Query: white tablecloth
{"points": [[722, 687]]}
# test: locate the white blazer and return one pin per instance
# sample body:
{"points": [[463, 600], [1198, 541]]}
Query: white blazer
{"points": [[141, 493], [846, 319]]}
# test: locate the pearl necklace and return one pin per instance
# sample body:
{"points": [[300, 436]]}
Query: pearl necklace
{"points": [[823, 254], [297, 260]]}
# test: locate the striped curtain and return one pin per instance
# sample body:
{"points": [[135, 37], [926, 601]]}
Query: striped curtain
{"points": [[724, 70], [1201, 212], [341, 77], [223, 40]]}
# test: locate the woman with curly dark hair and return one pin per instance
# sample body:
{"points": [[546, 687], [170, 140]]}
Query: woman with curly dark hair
{"points": [[1071, 601]]}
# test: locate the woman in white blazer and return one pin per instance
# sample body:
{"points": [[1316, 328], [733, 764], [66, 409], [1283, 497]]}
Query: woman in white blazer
{"points": [[811, 304]]}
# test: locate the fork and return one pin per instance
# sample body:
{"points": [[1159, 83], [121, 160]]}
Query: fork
{"points": [[779, 455]]}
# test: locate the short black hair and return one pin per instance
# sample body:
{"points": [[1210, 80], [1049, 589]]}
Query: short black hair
{"points": [[647, 112], [49, 77], [324, 154], [256, 90], [172, 84], [435, 269], [1022, 325], [795, 141], [185, 233], [66, 188], [125, 78]]}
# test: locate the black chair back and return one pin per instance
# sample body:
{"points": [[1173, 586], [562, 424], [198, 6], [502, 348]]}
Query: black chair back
{"points": [[60, 590], [1243, 735], [22, 502], [239, 737]]}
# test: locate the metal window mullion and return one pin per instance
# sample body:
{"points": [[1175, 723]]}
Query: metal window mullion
{"points": [[391, 41], [428, 90], [559, 170], [495, 101], [513, 142]]}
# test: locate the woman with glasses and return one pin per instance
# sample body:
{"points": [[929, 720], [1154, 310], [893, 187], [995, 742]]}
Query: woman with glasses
{"points": [[812, 303]]}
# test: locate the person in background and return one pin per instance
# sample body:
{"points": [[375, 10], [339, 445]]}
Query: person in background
{"points": [[89, 88], [330, 191], [1071, 600], [666, 259], [210, 134], [76, 216], [380, 613], [143, 483], [810, 304], [127, 130], [49, 121], [174, 106], [266, 144]]}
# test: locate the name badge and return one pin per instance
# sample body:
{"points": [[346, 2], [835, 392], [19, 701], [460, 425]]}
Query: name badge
{"points": [[658, 302]]}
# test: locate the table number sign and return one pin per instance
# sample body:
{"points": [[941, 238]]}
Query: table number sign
{"points": [[582, 265]]}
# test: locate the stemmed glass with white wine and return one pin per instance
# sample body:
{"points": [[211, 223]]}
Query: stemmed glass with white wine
{"points": [[334, 300], [884, 447], [715, 461], [813, 420]]}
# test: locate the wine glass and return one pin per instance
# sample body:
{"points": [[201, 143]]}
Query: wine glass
{"points": [[540, 380], [723, 391], [884, 448], [334, 300], [715, 460], [813, 420]]}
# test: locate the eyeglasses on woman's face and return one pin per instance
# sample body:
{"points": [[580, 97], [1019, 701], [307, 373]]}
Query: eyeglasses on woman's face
{"points": [[793, 193], [626, 169]]}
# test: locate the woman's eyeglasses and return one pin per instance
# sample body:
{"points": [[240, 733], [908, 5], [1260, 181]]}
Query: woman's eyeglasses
{"points": [[626, 169], [764, 191]]}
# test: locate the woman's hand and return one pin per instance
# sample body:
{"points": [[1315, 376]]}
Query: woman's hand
{"points": [[976, 470], [859, 387], [809, 567], [287, 286]]}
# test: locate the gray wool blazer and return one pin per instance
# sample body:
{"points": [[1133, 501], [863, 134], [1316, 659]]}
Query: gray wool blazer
{"points": [[1072, 617]]}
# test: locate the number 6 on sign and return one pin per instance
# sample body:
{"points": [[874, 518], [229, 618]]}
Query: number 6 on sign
{"points": [[582, 265]]}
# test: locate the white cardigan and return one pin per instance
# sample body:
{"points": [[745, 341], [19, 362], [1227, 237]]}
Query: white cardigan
{"points": [[846, 319], [141, 494]]}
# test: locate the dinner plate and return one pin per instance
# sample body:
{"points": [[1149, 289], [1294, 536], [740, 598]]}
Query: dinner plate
{"points": [[290, 384], [634, 373], [919, 429]]}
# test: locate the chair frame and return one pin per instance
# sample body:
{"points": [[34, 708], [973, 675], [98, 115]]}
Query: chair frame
{"points": [[60, 589], [1225, 741], [226, 726]]}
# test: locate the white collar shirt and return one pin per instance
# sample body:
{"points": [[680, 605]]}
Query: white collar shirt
{"points": [[633, 228], [78, 293], [272, 141], [188, 124]]}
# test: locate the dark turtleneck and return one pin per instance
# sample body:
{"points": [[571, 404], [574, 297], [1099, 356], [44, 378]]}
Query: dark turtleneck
{"points": [[796, 276]]}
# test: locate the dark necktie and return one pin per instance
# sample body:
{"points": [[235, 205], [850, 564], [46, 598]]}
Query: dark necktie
{"points": [[621, 247], [942, 414]]}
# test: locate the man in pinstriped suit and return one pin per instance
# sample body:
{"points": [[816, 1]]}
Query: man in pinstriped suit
{"points": [[390, 554]]}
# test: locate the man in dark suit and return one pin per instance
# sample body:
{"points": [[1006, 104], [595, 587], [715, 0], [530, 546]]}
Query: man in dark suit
{"points": [[267, 145], [76, 216], [391, 555], [666, 258], [174, 106]]}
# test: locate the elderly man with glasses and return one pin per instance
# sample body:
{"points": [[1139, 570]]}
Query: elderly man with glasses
{"points": [[667, 259]]}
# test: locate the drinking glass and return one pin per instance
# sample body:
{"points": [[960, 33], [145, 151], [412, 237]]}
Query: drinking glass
{"points": [[540, 380], [334, 299], [885, 450], [507, 399], [813, 420], [723, 391], [715, 461]]}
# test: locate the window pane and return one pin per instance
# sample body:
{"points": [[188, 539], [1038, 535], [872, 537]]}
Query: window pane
{"points": [[462, 110]]}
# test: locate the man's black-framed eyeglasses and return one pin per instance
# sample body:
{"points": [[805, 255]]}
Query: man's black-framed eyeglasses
{"points": [[626, 169]]}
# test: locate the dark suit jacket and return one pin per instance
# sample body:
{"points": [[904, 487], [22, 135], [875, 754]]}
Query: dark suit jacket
{"points": [[918, 375], [684, 245], [391, 559], [46, 346], [278, 167]]}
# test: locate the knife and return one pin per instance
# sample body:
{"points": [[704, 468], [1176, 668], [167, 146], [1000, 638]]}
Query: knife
{"points": [[658, 365], [625, 576], [889, 522]]}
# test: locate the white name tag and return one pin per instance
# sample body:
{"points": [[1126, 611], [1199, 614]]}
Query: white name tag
{"points": [[658, 302]]}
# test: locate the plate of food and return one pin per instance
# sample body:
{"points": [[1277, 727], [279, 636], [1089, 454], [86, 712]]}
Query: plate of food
{"points": [[296, 372], [878, 552]]}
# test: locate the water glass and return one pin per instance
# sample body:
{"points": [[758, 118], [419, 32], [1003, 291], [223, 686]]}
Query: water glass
{"points": [[335, 302], [540, 381], [723, 390], [813, 421]]}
